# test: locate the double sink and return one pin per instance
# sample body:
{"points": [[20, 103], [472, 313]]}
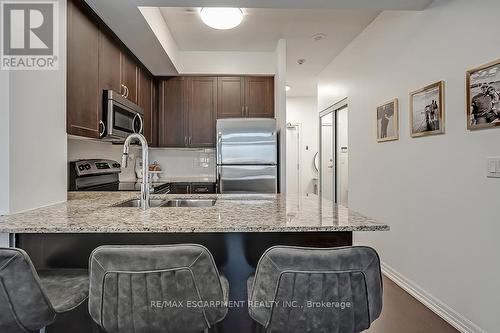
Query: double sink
{"points": [[189, 202]]}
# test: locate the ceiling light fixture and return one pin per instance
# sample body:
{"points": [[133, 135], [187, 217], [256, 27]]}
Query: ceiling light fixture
{"points": [[221, 18], [288, 88], [319, 36]]}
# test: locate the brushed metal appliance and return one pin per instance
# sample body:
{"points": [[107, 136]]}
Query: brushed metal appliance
{"points": [[247, 155], [103, 176], [121, 117]]}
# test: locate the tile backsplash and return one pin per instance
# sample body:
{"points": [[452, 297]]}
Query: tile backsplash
{"points": [[174, 162], [185, 162]]}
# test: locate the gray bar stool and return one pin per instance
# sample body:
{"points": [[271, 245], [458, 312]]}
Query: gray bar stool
{"points": [[316, 290], [30, 301], [170, 288]]}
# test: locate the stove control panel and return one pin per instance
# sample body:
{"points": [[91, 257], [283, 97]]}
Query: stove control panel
{"points": [[96, 167]]}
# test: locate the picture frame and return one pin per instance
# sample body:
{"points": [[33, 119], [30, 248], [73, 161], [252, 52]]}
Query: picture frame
{"points": [[482, 90], [427, 110], [388, 121]]}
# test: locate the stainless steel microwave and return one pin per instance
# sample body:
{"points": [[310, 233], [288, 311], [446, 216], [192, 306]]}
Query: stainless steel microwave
{"points": [[121, 117]]}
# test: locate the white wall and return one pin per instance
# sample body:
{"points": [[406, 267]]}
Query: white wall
{"points": [[303, 111], [4, 142], [432, 191], [236, 63], [37, 132]]}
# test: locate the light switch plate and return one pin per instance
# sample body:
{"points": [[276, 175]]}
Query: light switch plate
{"points": [[493, 167]]}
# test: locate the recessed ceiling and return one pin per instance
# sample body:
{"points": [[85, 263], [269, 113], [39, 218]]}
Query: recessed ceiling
{"points": [[341, 20], [263, 27]]}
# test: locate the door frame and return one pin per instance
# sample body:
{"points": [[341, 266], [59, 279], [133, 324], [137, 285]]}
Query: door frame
{"points": [[340, 105], [298, 128]]}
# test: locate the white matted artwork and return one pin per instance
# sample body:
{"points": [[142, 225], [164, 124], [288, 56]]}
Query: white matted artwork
{"points": [[427, 110], [388, 121]]}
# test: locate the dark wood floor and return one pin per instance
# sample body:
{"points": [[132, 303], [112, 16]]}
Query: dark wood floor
{"points": [[404, 314]]}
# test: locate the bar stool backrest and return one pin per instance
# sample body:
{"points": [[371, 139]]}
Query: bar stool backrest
{"points": [[24, 307], [172, 288], [317, 290]]}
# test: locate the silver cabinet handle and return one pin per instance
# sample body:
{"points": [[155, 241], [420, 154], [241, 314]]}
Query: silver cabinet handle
{"points": [[101, 124], [126, 92], [243, 110], [185, 141], [246, 111], [122, 90], [190, 140]]}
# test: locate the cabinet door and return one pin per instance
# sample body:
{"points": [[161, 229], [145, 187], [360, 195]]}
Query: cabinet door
{"points": [[231, 97], [172, 115], [154, 125], [179, 188], [83, 111], [146, 103], [259, 97], [129, 76], [202, 188], [202, 108], [109, 62]]}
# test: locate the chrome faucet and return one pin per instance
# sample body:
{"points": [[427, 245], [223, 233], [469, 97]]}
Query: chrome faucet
{"points": [[145, 166]]}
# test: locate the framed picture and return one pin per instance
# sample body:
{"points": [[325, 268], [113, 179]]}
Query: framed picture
{"points": [[483, 96], [388, 121], [427, 110]]}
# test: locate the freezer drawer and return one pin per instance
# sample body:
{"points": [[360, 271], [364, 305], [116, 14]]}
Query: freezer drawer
{"points": [[246, 141], [247, 178]]}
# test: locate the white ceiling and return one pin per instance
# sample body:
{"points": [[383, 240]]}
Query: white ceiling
{"points": [[262, 28]]}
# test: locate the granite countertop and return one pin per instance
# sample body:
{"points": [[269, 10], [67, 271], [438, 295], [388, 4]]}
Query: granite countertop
{"points": [[91, 212]]}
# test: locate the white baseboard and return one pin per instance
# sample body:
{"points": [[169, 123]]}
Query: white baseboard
{"points": [[455, 319]]}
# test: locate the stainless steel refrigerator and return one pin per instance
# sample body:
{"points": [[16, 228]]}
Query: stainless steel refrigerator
{"points": [[247, 155]]}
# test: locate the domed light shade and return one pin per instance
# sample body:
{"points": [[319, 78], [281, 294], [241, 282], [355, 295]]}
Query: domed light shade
{"points": [[221, 18]]}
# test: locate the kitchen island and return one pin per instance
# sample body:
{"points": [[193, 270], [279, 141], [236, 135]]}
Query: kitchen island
{"points": [[237, 229]]}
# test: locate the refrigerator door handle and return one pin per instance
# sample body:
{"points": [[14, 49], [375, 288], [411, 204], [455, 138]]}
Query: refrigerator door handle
{"points": [[219, 182], [219, 148]]}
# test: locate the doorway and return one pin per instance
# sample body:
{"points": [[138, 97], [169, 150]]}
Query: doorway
{"points": [[334, 154]]}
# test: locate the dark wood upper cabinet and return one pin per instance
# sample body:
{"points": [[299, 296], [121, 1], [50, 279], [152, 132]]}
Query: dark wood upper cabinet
{"points": [[259, 97], [172, 113], [231, 97], [83, 99], [109, 64], [202, 109], [146, 102], [129, 76], [98, 61]]}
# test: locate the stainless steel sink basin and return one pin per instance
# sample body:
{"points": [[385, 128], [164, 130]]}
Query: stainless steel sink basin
{"points": [[189, 203], [137, 203]]}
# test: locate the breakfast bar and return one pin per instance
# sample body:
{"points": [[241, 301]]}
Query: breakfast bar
{"points": [[237, 229]]}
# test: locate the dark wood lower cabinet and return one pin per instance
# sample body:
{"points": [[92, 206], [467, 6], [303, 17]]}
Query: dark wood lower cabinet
{"points": [[192, 188]]}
